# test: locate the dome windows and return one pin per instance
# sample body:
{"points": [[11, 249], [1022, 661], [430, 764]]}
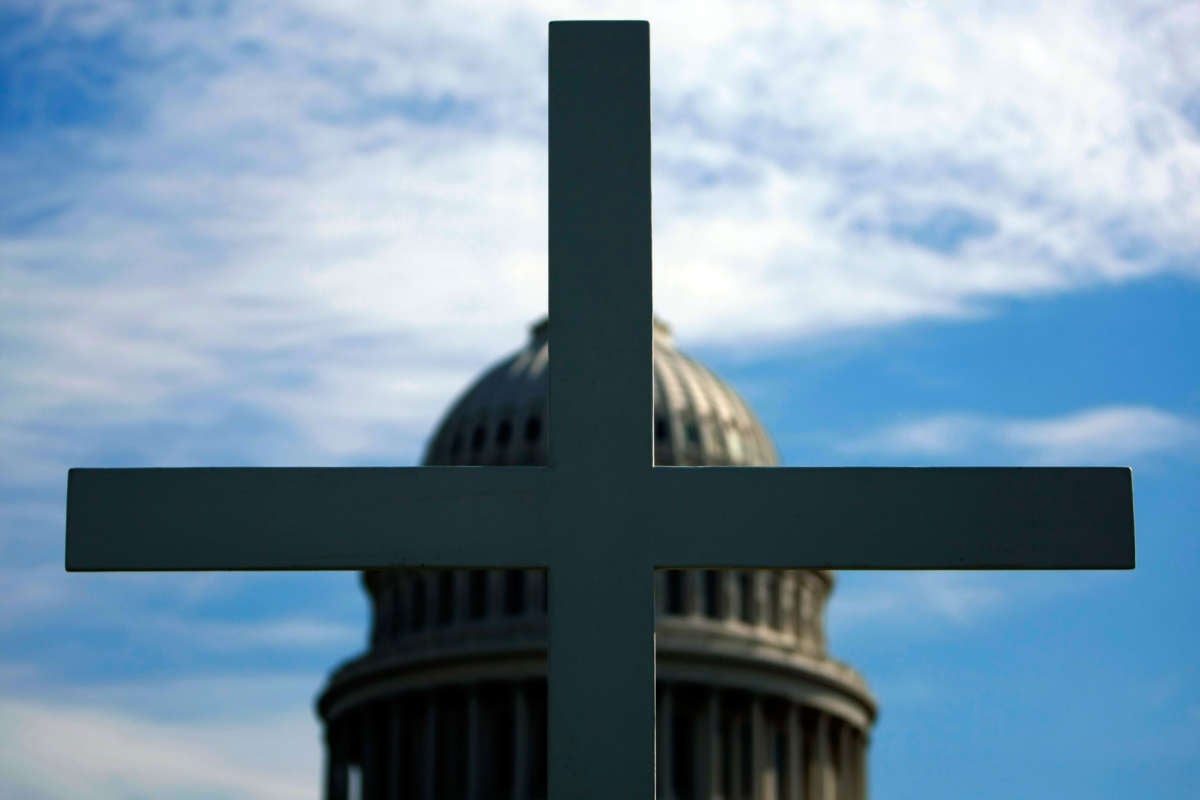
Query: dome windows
{"points": [[697, 420]]}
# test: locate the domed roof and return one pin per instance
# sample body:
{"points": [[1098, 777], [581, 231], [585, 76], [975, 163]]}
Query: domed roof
{"points": [[699, 420]]}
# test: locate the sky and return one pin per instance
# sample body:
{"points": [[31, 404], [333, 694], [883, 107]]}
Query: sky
{"points": [[918, 233]]}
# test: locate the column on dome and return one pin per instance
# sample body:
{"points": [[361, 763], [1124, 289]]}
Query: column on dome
{"points": [[521, 753], [762, 599], [787, 604], [819, 600], [700, 745], [730, 607], [393, 759], [429, 748], [803, 611], [824, 787], [665, 728], [759, 779], [796, 774], [712, 740], [693, 592], [733, 740], [855, 764], [845, 761], [337, 767], [864, 783], [474, 743], [369, 737]]}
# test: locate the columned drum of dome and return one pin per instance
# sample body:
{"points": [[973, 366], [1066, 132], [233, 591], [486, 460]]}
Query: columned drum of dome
{"points": [[745, 683]]}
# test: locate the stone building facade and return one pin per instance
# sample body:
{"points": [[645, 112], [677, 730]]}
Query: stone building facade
{"points": [[449, 700]]}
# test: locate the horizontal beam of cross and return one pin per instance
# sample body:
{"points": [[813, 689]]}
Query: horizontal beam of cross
{"points": [[375, 517]]}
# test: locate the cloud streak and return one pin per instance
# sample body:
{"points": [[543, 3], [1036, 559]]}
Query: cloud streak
{"points": [[1111, 434], [55, 751]]}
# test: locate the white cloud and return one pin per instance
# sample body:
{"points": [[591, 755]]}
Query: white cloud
{"points": [[956, 598], [879, 605], [278, 221], [1105, 433], [51, 750], [166, 611], [1112, 434], [289, 632]]}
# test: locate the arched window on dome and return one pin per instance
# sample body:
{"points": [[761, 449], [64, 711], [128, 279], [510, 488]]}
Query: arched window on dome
{"points": [[774, 615]]}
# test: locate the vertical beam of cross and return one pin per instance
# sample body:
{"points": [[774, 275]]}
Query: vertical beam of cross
{"points": [[600, 441], [600, 281]]}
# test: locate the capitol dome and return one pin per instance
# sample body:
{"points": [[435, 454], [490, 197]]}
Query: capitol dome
{"points": [[449, 698], [698, 418]]}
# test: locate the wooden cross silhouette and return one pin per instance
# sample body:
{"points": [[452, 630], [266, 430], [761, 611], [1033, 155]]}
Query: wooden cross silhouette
{"points": [[599, 516]]}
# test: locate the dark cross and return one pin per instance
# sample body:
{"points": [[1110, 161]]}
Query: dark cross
{"points": [[600, 516]]}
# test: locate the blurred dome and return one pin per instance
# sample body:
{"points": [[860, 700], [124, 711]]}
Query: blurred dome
{"points": [[750, 703], [698, 418]]}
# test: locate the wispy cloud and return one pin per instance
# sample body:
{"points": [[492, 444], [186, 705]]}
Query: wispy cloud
{"points": [[1114, 434], [54, 751], [168, 610], [959, 599], [899, 604], [328, 215]]}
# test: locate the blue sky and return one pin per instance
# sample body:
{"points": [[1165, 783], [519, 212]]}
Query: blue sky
{"points": [[907, 232]]}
